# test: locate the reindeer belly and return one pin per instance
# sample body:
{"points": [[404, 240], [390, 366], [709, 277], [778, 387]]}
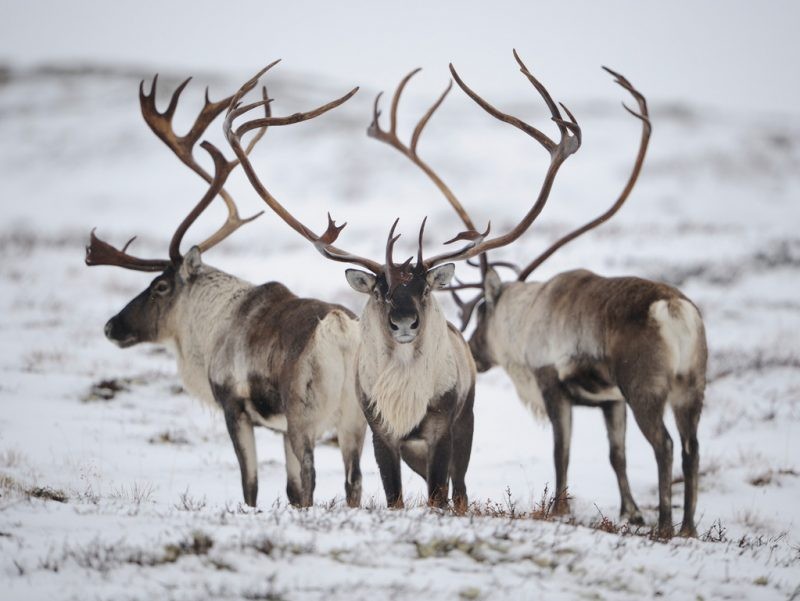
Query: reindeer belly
{"points": [[588, 382], [264, 404]]}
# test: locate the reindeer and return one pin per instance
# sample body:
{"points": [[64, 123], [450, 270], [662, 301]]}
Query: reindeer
{"points": [[415, 375], [263, 355], [583, 339]]}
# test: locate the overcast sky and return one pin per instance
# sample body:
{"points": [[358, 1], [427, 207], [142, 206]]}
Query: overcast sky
{"points": [[728, 53]]}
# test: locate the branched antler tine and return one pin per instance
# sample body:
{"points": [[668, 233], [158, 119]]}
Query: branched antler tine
{"points": [[507, 264], [240, 109], [548, 100], [234, 221], [462, 286], [474, 238], [100, 252], [234, 139], [568, 145], [396, 101], [390, 137], [267, 113], [250, 84], [291, 119], [420, 264], [374, 128], [173, 101], [540, 137], [182, 146], [644, 117], [426, 117], [390, 241]]}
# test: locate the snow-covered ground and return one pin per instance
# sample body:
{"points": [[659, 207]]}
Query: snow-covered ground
{"points": [[151, 504]]}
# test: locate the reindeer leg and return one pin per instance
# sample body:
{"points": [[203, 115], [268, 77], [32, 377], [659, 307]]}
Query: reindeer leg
{"points": [[559, 410], [686, 418], [387, 457], [351, 443], [302, 444], [294, 484], [615, 413], [240, 429], [463, 429], [650, 417], [440, 452]]}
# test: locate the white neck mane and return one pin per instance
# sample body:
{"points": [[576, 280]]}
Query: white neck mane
{"points": [[400, 380]]}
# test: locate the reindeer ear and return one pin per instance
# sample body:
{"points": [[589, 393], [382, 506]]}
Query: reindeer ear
{"points": [[360, 281], [492, 287], [191, 264], [439, 277]]}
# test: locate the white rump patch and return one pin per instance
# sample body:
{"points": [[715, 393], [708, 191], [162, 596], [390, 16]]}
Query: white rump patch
{"points": [[680, 325]]}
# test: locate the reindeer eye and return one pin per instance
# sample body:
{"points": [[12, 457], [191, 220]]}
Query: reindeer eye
{"points": [[161, 287]]}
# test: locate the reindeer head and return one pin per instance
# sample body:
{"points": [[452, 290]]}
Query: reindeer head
{"points": [[400, 295], [147, 317]]}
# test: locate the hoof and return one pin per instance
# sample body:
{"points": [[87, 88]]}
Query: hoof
{"points": [[634, 519], [561, 508], [688, 531], [665, 532]]}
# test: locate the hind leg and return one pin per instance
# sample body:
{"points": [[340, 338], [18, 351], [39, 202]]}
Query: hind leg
{"points": [[301, 439], [615, 417], [294, 485], [686, 418], [351, 443], [650, 417]]}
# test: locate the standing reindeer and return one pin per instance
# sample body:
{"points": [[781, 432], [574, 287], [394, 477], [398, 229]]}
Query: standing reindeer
{"points": [[583, 339], [265, 356], [415, 375]]}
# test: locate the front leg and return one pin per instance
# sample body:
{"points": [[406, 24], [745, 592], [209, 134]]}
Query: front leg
{"points": [[559, 410], [440, 452], [387, 456]]}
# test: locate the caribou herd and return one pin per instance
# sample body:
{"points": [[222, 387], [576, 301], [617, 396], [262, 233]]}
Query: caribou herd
{"points": [[303, 367]]}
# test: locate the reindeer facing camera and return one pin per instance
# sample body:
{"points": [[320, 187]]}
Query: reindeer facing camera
{"points": [[263, 355]]}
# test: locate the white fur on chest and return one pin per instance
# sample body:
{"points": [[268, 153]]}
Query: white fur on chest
{"points": [[400, 380]]}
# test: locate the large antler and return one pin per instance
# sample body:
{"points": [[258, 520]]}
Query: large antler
{"points": [[161, 125], [100, 252], [644, 117], [466, 308], [569, 142], [323, 243], [390, 137]]}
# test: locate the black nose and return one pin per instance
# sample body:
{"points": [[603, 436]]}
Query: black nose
{"points": [[404, 321], [109, 328]]}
